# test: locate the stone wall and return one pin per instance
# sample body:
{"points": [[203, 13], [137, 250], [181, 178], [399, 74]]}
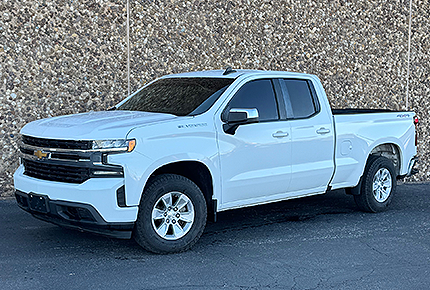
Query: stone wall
{"points": [[61, 57]]}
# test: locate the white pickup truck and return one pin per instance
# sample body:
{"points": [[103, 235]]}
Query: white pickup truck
{"points": [[187, 146]]}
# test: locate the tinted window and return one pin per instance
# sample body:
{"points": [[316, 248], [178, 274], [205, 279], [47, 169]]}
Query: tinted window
{"points": [[300, 98], [257, 94], [178, 96]]}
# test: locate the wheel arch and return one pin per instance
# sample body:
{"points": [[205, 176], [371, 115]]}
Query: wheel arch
{"points": [[389, 150], [368, 190], [198, 173]]}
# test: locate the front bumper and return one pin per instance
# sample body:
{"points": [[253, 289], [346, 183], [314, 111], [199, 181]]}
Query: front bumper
{"points": [[72, 215], [100, 193]]}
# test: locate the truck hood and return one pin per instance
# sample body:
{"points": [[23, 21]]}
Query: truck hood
{"points": [[93, 125]]}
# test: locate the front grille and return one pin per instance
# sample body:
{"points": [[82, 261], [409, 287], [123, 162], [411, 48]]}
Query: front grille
{"points": [[26, 150], [73, 156], [54, 143], [76, 214], [55, 172]]}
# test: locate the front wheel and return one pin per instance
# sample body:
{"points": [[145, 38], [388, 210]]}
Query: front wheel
{"points": [[378, 185], [172, 215]]}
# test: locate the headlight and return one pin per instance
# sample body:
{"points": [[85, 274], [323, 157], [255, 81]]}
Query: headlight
{"points": [[114, 145]]}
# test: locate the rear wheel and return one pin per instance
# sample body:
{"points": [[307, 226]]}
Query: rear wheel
{"points": [[378, 185], [172, 215]]}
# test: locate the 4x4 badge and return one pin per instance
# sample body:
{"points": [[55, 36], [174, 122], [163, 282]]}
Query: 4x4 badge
{"points": [[40, 154]]}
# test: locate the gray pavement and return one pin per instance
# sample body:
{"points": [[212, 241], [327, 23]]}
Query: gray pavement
{"points": [[319, 242]]}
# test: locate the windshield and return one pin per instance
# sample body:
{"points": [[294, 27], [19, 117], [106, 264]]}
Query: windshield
{"points": [[178, 96]]}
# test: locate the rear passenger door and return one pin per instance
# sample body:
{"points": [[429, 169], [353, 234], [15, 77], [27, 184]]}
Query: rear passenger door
{"points": [[312, 137]]}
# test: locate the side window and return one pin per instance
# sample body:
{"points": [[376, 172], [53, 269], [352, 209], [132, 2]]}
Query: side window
{"points": [[300, 98], [257, 94]]}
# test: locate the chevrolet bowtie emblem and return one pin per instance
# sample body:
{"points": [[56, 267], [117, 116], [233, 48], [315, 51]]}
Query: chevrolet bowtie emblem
{"points": [[40, 154]]}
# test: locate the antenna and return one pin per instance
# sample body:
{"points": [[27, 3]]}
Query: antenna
{"points": [[228, 70]]}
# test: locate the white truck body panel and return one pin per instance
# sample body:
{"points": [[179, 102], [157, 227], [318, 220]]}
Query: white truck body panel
{"points": [[93, 125], [358, 135], [195, 140]]}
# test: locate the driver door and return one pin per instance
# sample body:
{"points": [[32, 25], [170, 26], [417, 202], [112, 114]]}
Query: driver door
{"points": [[255, 158]]}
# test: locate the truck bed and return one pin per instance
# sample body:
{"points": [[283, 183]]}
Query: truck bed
{"points": [[351, 111]]}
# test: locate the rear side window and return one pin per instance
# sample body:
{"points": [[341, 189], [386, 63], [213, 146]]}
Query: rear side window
{"points": [[298, 94], [257, 94]]}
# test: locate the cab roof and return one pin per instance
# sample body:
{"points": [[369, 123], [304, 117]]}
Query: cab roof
{"points": [[231, 75]]}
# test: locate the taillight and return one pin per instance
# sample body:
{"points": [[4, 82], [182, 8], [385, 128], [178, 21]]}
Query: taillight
{"points": [[416, 133], [415, 120]]}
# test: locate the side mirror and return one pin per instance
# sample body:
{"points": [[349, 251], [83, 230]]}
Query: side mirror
{"points": [[236, 117], [242, 116]]}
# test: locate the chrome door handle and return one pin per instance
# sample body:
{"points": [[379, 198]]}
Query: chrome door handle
{"points": [[323, 131], [280, 134]]}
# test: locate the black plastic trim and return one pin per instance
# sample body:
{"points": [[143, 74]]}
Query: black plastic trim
{"points": [[120, 196], [280, 99], [70, 172], [56, 143], [74, 215], [228, 70]]}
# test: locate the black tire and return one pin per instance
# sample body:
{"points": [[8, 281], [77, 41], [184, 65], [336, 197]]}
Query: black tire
{"points": [[376, 201], [154, 199]]}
